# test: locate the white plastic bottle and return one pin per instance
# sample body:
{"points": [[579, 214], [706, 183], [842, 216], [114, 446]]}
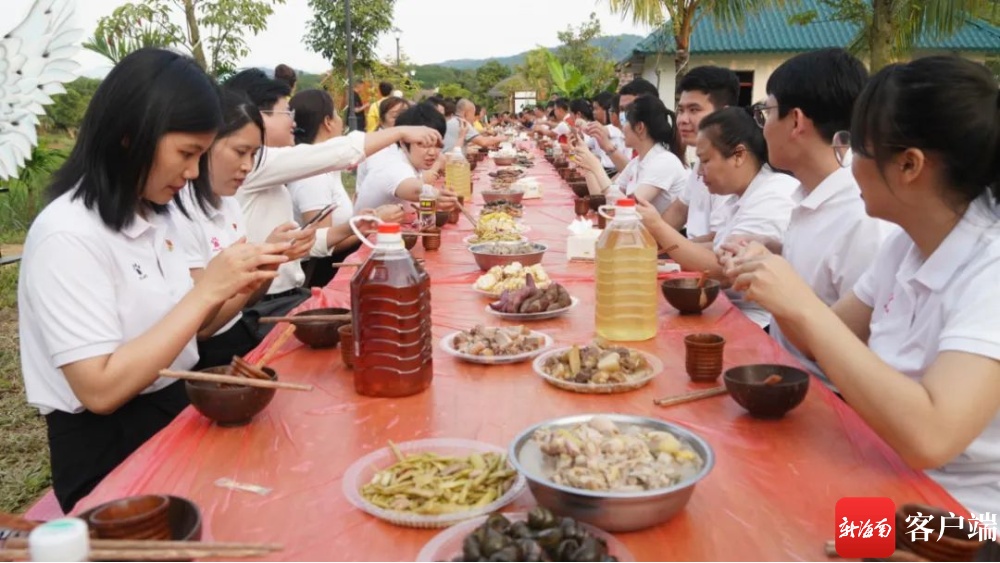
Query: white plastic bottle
{"points": [[65, 539]]}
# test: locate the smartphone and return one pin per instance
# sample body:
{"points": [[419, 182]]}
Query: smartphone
{"points": [[323, 214]]}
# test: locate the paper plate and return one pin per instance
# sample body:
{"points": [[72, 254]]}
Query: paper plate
{"points": [[528, 317], [448, 346], [656, 366], [447, 545], [362, 471]]}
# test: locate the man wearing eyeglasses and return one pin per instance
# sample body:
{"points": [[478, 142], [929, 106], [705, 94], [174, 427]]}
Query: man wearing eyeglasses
{"points": [[830, 240]]}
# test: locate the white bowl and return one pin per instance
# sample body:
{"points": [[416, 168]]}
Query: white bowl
{"points": [[448, 346], [361, 472], [656, 366]]}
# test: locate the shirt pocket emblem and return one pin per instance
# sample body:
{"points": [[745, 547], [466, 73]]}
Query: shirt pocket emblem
{"points": [[138, 271]]}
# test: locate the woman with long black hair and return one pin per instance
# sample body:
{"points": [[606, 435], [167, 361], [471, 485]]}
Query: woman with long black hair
{"points": [[317, 122], [209, 220], [105, 298], [656, 174]]}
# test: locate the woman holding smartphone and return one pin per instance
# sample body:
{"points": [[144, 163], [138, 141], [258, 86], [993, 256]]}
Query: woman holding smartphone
{"points": [[105, 299], [209, 220]]}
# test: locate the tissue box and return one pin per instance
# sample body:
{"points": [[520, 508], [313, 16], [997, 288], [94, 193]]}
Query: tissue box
{"points": [[531, 188], [582, 246]]}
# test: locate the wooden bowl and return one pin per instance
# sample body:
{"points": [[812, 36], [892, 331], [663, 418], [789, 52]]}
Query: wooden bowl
{"points": [[684, 295], [135, 518], [320, 334], [183, 518], [229, 405], [746, 386]]}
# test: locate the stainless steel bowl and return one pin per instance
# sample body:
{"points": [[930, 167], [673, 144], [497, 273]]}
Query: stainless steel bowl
{"points": [[486, 261], [610, 511]]}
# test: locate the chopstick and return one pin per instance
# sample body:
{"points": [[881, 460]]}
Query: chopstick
{"points": [[241, 367], [18, 543], [688, 397], [467, 214], [174, 554], [405, 233], [275, 346], [16, 523], [234, 380], [358, 264], [306, 319]]}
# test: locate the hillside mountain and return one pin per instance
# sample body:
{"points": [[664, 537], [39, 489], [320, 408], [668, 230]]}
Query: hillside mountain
{"points": [[619, 46]]}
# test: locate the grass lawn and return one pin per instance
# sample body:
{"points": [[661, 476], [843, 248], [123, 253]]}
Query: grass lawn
{"points": [[24, 452]]}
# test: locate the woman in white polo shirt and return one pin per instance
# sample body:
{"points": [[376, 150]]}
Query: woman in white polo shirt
{"points": [[397, 180], [105, 298], [732, 158], [656, 174], [915, 348], [209, 220], [316, 122]]}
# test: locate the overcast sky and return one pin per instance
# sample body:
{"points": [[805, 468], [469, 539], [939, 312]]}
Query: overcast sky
{"points": [[432, 30]]}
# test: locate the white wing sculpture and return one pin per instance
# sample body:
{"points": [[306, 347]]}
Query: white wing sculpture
{"points": [[36, 59]]}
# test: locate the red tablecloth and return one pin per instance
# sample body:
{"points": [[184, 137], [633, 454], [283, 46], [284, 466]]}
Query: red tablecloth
{"points": [[771, 495]]}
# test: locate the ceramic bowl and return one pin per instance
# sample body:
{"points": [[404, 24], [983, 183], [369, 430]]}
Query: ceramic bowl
{"points": [[746, 385], [685, 296], [229, 405]]}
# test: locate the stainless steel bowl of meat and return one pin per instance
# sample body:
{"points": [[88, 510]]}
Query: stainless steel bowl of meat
{"points": [[618, 472], [489, 254]]}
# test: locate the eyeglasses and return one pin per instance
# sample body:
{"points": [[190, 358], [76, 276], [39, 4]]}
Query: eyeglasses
{"points": [[290, 113], [842, 148], [760, 113]]}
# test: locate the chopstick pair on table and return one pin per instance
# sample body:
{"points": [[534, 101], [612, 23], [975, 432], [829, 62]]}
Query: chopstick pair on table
{"points": [[16, 549]]}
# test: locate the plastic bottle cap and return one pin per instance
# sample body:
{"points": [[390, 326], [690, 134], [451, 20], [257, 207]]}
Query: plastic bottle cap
{"points": [[65, 539], [625, 202], [389, 228]]}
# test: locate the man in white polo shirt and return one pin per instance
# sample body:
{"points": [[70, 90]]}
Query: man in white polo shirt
{"points": [[831, 240], [703, 90]]}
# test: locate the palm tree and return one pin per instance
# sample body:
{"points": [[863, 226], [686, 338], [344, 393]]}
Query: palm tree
{"points": [[685, 15], [888, 29]]}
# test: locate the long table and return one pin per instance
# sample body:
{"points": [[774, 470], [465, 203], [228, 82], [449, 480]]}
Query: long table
{"points": [[771, 495]]}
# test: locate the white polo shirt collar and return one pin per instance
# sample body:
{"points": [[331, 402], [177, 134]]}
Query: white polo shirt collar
{"points": [[841, 181], [954, 252]]}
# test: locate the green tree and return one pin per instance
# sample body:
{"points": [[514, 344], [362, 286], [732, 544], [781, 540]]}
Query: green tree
{"points": [[131, 27], [398, 75], [452, 90], [535, 71], [888, 29], [66, 110], [326, 32], [214, 32], [577, 48], [488, 76], [432, 76], [685, 15]]}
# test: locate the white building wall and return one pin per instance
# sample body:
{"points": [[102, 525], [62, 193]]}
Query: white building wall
{"points": [[762, 65]]}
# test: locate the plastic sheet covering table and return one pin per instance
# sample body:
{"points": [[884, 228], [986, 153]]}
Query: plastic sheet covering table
{"points": [[771, 495]]}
